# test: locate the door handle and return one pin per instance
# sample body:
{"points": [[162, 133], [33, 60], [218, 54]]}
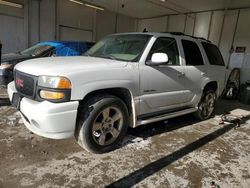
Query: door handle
{"points": [[181, 74]]}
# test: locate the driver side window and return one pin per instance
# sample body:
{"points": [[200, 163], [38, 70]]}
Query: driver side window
{"points": [[168, 46]]}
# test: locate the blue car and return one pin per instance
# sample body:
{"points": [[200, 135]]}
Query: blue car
{"points": [[42, 49]]}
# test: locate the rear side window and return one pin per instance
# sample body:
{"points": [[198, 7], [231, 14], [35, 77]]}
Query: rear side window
{"points": [[213, 54], [192, 53]]}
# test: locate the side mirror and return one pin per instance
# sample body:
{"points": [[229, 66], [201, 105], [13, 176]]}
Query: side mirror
{"points": [[158, 59]]}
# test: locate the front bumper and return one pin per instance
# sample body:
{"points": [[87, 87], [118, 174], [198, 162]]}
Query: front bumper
{"points": [[47, 119]]}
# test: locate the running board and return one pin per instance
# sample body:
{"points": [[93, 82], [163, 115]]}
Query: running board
{"points": [[166, 116]]}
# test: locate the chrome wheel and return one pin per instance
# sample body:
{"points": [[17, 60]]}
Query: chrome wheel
{"points": [[207, 106], [107, 126]]}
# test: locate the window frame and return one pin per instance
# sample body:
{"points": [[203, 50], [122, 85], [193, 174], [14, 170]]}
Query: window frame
{"points": [[200, 50], [206, 43], [177, 48]]}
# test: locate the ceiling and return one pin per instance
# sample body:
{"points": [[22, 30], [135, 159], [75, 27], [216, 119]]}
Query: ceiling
{"points": [[154, 8]]}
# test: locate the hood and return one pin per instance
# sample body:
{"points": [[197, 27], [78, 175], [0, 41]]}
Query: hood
{"points": [[13, 57], [56, 66]]}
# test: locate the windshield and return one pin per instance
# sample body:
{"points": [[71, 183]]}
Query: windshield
{"points": [[36, 50], [120, 47]]}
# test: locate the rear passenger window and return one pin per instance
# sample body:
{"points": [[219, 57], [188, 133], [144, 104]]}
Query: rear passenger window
{"points": [[192, 53], [213, 54]]}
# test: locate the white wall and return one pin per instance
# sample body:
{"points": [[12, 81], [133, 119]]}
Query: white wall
{"points": [[74, 22], [12, 34], [189, 25], [47, 20], [154, 25], [202, 23], [176, 23], [12, 28], [220, 27], [242, 35], [42, 20], [125, 24], [227, 34], [108, 22], [105, 23], [216, 26], [33, 26]]}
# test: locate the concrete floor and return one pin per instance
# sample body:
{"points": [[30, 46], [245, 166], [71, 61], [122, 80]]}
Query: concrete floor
{"points": [[181, 152]]}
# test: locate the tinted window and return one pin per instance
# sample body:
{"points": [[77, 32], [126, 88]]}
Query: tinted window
{"points": [[192, 53], [167, 46], [213, 54], [36, 50]]}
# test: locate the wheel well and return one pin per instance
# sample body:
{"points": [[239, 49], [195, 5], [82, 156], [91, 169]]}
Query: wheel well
{"points": [[122, 93], [211, 85]]}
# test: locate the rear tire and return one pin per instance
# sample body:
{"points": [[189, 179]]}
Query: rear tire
{"points": [[101, 124], [206, 105]]}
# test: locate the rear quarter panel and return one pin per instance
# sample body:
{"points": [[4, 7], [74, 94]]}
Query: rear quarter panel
{"points": [[214, 73]]}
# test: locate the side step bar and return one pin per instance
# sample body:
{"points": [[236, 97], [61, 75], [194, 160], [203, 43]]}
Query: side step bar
{"points": [[165, 116]]}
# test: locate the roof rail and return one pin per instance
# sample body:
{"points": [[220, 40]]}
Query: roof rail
{"points": [[176, 33], [183, 34]]}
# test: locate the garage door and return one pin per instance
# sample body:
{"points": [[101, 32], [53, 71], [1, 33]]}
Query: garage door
{"points": [[74, 34], [12, 33]]}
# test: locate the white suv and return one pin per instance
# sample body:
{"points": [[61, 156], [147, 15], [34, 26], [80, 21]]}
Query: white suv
{"points": [[124, 80]]}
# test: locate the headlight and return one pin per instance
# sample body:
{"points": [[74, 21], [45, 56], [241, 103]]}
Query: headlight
{"points": [[5, 66], [54, 82], [54, 88]]}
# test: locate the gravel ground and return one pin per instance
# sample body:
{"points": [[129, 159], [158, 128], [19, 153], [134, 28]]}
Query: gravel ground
{"points": [[180, 152], [3, 91]]}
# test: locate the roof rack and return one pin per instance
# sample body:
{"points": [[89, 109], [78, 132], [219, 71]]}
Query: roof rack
{"points": [[183, 34]]}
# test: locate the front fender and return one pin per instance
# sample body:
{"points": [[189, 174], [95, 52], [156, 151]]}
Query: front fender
{"points": [[86, 89], [78, 93]]}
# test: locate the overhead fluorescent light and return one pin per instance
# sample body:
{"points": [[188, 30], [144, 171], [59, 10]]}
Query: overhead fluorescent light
{"points": [[87, 4], [11, 4], [77, 2], [93, 6]]}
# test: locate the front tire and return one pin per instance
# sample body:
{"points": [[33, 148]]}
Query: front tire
{"points": [[101, 124], [206, 105]]}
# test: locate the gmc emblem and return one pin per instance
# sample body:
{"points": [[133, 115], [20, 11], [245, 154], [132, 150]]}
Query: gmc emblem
{"points": [[19, 82]]}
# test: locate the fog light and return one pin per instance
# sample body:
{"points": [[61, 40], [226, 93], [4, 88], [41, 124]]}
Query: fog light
{"points": [[51, 95]]}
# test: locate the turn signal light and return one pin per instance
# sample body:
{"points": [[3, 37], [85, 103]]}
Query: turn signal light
{"points": [[51, 95], [63, 83]]}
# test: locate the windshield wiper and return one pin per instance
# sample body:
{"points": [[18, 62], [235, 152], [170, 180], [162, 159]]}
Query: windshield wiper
{"points": [[109, 56]]}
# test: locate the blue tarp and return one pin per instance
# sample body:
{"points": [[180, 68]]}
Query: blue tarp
{"points": [[67, 48]]}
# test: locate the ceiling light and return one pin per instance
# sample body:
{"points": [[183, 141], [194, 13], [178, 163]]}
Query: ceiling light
{"points": [[11, 4], [77, 2], [93, 6], [80, 2]]}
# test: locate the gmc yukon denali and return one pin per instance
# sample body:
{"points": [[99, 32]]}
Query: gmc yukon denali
{"points": [[128, 79]]}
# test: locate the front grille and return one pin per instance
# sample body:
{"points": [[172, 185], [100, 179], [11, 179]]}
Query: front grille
{"points": [[25, 83]]}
